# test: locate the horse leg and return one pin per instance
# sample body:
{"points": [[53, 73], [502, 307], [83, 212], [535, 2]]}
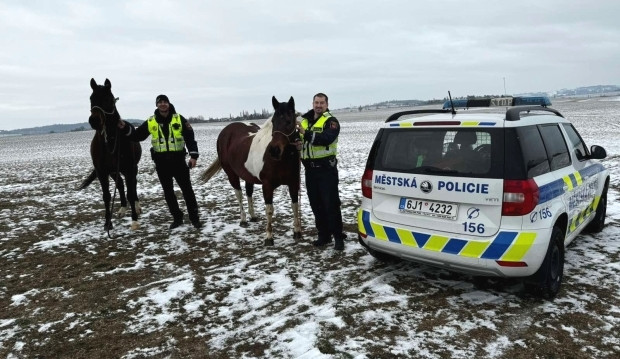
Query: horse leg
{"points": [[293, 191], [296, 219], [249, 190], [268, 196], [120, 186], [132, 196], [233, 179], [105, 188], [239, 196]]}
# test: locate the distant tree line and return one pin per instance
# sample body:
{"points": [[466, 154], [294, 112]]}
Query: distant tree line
{"points": [[243, 116], [393, 104]]}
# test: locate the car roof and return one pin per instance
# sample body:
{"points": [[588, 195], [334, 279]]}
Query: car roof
{"points": [[473, 118]]}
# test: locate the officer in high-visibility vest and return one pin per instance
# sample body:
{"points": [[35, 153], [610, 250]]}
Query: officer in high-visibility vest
{"points": [[170, 135], [319, 142]]}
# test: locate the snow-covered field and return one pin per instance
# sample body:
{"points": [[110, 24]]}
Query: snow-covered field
{"points": [[67, 290]]}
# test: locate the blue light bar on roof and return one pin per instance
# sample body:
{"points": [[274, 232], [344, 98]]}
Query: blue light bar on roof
{"points": [[500, 102], [533, 100]]}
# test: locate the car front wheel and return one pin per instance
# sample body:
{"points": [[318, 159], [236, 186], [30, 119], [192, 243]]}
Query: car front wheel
{"points": [[546, 282], [598, 222]]}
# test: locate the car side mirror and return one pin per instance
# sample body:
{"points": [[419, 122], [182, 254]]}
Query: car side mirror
{"points": [[597, 152]]}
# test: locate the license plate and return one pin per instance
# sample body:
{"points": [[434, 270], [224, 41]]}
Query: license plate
{"points": [[429, 208]]}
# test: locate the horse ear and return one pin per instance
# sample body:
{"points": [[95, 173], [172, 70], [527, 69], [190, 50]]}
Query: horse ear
{"points": [[275, 103], [108, 84], [291, 104], [93, 84]]}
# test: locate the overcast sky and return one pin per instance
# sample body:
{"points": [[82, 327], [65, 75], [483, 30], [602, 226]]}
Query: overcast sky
{"points": [[215, 58]]}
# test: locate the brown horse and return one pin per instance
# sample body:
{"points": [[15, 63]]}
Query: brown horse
{"points": [[265, 156], [112, 153]]}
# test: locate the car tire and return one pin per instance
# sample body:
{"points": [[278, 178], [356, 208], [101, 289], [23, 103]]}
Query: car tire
{"points": [[598, 222], [546, 282], [380, 256], [383, 257]]}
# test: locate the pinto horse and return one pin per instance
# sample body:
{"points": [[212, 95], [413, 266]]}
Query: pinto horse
{"points": [[112, 154], [265, 156]]}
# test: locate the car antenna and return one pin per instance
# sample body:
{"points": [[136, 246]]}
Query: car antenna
{"points": [[451, 103]]}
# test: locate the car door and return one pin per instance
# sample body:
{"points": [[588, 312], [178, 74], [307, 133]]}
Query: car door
{"points": [[564, 165], [588, 172]]}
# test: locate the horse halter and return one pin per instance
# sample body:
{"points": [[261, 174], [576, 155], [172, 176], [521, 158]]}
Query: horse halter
{"points": [[288, 136], [104, 111], [104, 131]]}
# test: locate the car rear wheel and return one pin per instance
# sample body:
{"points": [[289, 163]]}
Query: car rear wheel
{"points": [[546, 282], [383, 257], [380, 256], [598, 223]]}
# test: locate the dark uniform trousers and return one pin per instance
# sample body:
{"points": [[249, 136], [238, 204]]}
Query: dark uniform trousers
{"points": [[169, 167], [322, 188]]}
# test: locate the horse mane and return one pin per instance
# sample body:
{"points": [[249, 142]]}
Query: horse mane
{"points": [[263, 136], [265, 127]]}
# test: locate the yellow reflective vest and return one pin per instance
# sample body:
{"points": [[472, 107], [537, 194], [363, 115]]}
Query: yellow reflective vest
{"points": [[310, 151], [174, 142]]}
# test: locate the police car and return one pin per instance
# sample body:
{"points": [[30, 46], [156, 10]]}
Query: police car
{"points": [[489, 194]]}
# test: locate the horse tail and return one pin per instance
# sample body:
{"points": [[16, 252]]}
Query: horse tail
{"points": [[214, 168], [88, 180]]}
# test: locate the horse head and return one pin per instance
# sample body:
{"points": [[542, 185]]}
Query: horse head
{"points": [[284, 124], [103, 112]]}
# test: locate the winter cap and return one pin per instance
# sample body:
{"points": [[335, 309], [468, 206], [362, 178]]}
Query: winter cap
{"points": [[161, 98]]}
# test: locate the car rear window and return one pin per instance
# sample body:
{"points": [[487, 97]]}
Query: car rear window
{"points": [[444, 151]]}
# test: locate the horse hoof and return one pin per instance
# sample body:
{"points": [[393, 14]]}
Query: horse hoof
{"points": [[297, 235], [135, 225], [243, 224], [121, 212], [269, 242]]}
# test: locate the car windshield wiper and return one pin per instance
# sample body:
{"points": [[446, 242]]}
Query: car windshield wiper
{"points": [[431, 169]]}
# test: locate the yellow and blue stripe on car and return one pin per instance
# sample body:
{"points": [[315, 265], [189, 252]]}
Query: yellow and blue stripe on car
{"points": [[569, 183], [506, 246]]}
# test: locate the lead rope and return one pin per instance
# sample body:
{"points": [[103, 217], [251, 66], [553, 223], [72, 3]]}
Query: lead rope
{"points": [[300, 187]]}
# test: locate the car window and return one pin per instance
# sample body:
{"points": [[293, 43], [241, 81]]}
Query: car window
{"points": [[463, 151], [526, 156], [557, 152], [407, 150], [578, 147]]}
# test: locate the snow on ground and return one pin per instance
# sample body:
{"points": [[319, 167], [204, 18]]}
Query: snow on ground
{"points": [[68, 290]]}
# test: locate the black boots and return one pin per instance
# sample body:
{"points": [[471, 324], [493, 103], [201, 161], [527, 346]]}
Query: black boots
{"points": [[177, 222], [338, 245], [321, 242]]}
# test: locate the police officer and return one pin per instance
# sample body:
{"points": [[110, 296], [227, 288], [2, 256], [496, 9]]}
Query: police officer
{"points": [[170, 134], [319, 141]]}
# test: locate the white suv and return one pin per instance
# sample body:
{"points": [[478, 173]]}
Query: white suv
{"points": [[486, 194]]}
